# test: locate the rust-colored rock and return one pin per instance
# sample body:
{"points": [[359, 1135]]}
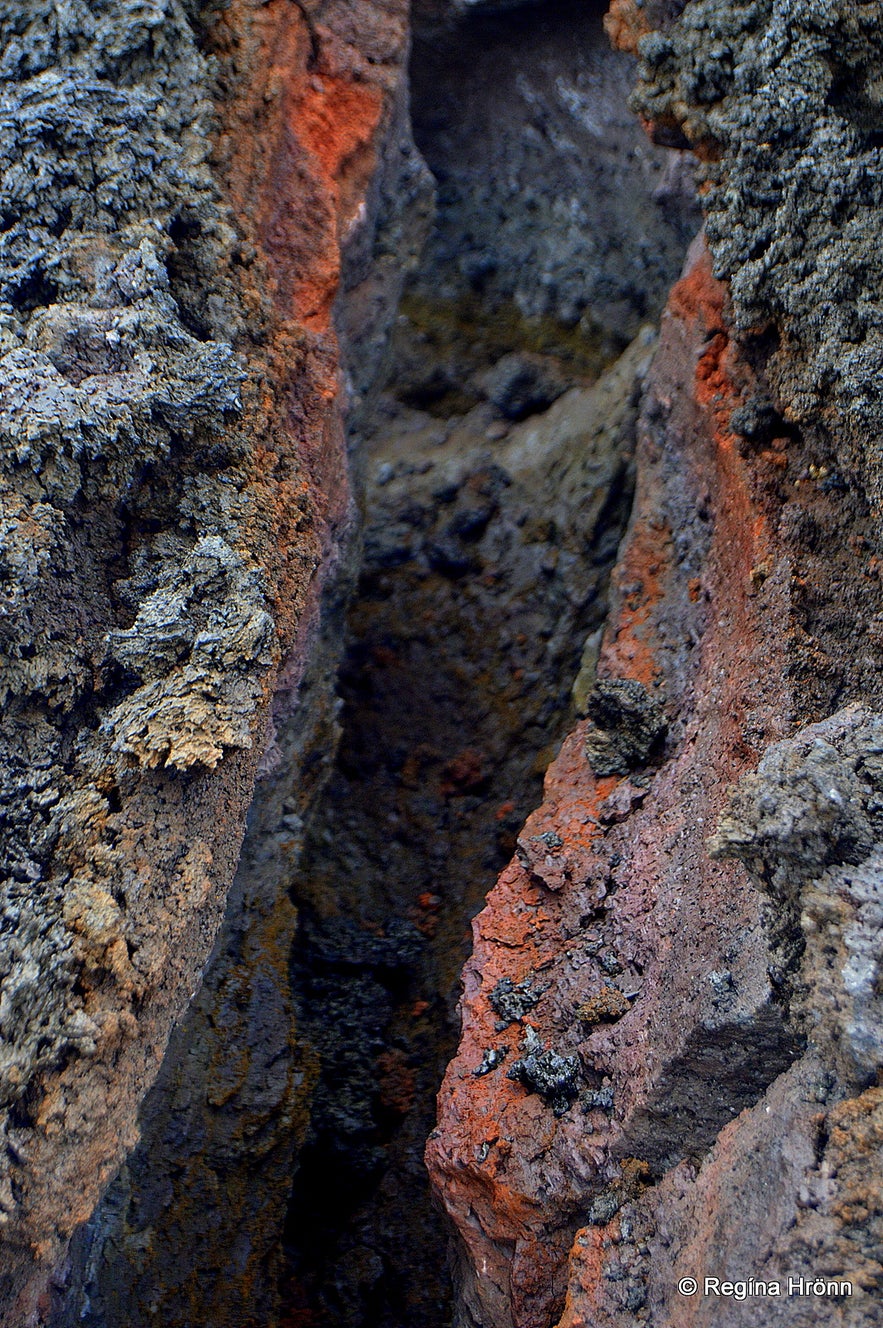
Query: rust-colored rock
{"points": [[738, 924], [622, 890]]}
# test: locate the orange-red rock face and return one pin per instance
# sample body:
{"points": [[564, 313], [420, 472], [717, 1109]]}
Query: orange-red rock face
{"points": [[311, 105], [614, 885], [303, 134]]}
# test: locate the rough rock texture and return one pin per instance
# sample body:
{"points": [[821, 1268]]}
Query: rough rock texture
{"points": [[672, 1012], [496, 479], [173, 484], [740, 629], [745, 933], [468, 627], [192, 1227], [783, 104], [560, 228]]}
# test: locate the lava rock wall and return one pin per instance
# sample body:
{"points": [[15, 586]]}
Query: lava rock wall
{"points": [[178, 184], [671, 1019], [674, 985]]}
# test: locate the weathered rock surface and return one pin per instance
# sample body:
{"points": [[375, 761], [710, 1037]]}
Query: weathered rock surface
{"points": [[748, 608], [782, 103], [748, 603], [671, 1017], [174, 484], [465, 634], [560, 229], [717, 985], [496, 479]]}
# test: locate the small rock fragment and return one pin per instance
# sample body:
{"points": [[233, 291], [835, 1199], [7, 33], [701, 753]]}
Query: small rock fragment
{"points": [[511, 1001], [542, 1070], [610, 964], [491, 1058], [621, 803], [550, 839], [606, 1006], [627, 725], [605, 1207]]}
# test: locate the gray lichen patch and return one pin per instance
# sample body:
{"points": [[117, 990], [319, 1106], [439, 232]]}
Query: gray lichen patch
{"points": [[598, 1099], [38, 966]]}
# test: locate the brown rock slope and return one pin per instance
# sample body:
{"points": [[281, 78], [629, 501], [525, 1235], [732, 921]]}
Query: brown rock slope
{"points": [[684, 979], [177, 186]]}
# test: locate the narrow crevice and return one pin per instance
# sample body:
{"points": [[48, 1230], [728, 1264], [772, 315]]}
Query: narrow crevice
{"points": [[496, 482]]}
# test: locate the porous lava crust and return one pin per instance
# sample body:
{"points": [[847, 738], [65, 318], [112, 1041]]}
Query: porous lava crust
{"points": [[178, 182], [726, 1119]]}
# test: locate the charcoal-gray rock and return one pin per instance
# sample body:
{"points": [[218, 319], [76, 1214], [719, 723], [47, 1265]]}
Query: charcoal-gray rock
{"points": [[628, 726], [543, 1070]]}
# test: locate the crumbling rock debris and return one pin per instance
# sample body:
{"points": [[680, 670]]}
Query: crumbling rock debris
{"points": [[621, 802], [520, 384], [633, 1173]]}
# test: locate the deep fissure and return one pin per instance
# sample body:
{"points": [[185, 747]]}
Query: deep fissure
{"points": [[496, 485], [671, 1018]]}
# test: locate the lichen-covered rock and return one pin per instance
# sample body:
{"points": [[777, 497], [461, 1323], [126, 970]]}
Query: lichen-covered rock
{"points": [[543, 1070], [808, 825], [177, 183], [782, 103]]}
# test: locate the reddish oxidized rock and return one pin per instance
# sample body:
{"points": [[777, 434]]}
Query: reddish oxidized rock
{"points": [[615, 885]]}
